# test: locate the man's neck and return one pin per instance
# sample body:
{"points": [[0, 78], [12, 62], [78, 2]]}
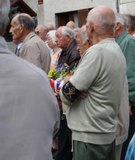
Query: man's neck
{"points": [[97, 39]]}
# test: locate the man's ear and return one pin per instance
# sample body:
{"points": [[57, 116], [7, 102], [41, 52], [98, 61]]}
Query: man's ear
{"points": [[117, 26], [21, 28], [91, 28]]}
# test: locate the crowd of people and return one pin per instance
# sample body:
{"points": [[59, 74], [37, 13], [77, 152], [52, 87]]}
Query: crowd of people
{"points": [[68, 93]]}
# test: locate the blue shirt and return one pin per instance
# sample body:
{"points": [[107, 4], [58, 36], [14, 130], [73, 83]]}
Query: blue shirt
{"points": [[130, 155]]}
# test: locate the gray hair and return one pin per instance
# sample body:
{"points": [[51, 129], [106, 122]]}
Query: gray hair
{"points": [[52, 35], [26, 20], [66, 31], [130, 21], [4, 10], [120, 18], [84, 34]]}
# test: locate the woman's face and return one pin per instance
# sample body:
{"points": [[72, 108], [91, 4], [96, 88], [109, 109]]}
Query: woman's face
{"points": [[81, 46], [50, 42]]}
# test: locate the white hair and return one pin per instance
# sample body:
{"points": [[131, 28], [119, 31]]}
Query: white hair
{"points": [[66, 31], [121, 19], [84, 34], [52, 34], [4, 10]]}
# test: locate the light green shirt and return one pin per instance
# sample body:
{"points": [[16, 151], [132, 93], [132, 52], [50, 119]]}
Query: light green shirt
{"points": [[101, 73]]}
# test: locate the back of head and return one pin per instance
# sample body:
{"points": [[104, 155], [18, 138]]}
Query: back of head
{"points": [[26, 21], [103, 20], [50, 26], [71, 24], [4, 10]]}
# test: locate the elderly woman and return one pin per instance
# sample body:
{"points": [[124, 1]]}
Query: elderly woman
{"points": [[51, 40], [83, 42]]}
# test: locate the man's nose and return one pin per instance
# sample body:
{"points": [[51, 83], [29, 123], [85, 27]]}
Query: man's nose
{"points": [[10, 31]]}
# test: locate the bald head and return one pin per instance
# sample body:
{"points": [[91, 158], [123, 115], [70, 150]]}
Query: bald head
{"points": [[102, 19], [71, 24], [50, 26], [42, 31], [100, 13]]}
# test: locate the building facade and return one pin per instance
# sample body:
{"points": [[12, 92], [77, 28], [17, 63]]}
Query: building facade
{"points": [[127, 7], [60, 12]]}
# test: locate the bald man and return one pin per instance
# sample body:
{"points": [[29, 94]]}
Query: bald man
{"points": [[50, 26], [101, 75], [42, 31], [71, 24]]}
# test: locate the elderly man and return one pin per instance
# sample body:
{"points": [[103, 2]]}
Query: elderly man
{"points": [[50, 26], [100, 76], [65, 40], [33, 49], [71, 24], [69, 55], [42, 31], [29, 114], [130, 24], [127, 45]]}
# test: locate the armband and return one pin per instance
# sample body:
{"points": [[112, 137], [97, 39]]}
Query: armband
{"points": [[70, 92]]}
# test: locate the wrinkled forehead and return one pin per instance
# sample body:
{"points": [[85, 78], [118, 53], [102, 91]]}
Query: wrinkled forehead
{"points": [[39, 29], [14, 21], [59, 32]]}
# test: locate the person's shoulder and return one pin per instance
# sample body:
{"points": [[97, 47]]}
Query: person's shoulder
{"points": [[35, 41], [28, 68]]}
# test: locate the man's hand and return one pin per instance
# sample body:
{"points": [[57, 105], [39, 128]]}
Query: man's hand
{"points": [[84, 94]]}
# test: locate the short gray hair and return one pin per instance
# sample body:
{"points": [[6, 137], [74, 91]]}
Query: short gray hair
{"points": [[4, 10], [84, 34], [26, 20], [121, 19], [66, 31], [52, 35]]}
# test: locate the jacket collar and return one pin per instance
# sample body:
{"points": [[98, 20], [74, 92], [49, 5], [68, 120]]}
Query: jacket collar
{"points": [[29, 36]]}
